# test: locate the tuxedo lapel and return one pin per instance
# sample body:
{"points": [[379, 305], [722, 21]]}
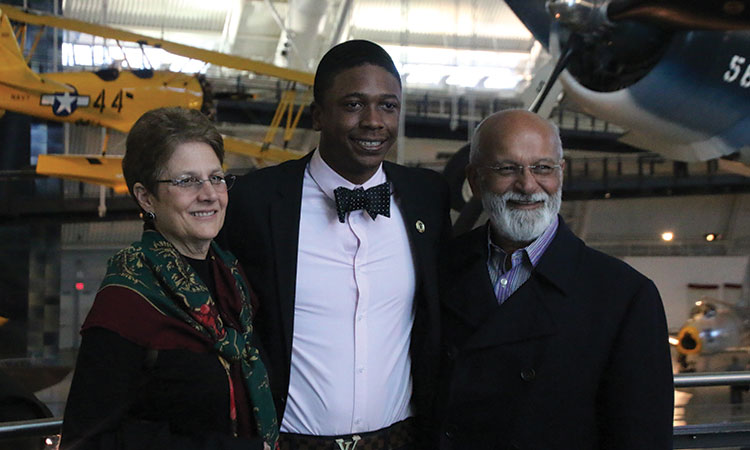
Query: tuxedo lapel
{"points": [[414, 209], [284, 223]]}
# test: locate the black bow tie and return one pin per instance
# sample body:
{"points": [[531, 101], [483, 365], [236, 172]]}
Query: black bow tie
{"points": [[376, 200]]}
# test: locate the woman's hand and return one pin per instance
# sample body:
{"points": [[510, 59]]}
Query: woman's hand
{"points": [[266, 446]]}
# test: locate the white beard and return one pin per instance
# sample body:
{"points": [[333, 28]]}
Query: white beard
{"points": [[520, 225]]}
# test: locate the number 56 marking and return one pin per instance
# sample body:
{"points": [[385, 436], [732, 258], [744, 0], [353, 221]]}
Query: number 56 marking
{"points": [[735, 68]]}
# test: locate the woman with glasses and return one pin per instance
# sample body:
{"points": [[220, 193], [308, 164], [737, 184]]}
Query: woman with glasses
{"points": [[167, 357]]}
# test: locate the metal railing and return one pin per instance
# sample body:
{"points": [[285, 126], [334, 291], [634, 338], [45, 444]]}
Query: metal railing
{"points": [[703, 379], [30, 428], [713, 435]]}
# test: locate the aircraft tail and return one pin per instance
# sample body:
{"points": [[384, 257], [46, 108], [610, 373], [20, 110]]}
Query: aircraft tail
{"points": [[13, 68]]}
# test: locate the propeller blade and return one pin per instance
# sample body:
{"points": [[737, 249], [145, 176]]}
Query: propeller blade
{"points": [[572, 46]]}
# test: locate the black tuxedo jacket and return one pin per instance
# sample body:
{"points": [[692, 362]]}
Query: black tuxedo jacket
{"points": [[262, 230], [576, 359]]}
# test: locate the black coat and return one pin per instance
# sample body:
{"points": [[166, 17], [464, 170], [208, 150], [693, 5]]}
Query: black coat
{"points": [[118, 402], [262, 230], [576, 359]]}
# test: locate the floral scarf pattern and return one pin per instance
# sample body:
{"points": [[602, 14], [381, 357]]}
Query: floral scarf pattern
{"points": [[154, 269]]}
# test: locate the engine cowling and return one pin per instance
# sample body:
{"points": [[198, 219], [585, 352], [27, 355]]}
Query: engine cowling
{"points": [[709, 331]]}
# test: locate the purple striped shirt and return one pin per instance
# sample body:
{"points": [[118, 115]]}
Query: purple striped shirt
{"points": [[522, 261]]}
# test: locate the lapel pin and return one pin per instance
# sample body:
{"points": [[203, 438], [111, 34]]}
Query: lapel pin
{"points": [[420, 226]]}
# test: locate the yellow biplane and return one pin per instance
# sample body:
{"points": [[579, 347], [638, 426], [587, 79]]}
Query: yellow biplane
{"points": [[115, 99]]}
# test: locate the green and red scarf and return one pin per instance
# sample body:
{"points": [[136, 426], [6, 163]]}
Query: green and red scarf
{"points": [[154, 270]]}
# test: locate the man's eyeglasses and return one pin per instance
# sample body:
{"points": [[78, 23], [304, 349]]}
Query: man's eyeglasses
{"points": [[515, 170], [221, 183]]}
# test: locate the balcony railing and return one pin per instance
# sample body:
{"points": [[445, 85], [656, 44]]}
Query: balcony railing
{"points": [[705, 436]]}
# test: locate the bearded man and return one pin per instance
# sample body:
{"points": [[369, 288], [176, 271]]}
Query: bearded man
{"points": [[547, 343]]}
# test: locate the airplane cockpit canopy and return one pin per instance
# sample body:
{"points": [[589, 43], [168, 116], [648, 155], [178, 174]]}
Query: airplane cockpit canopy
{"points": [[704, 309]]}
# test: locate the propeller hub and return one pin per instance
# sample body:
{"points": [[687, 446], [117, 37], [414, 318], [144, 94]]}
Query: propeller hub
{"points": [[579, 15]]}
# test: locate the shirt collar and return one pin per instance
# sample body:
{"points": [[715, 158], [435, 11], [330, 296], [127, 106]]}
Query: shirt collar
{"points": [[327, 179], [533, 251]]}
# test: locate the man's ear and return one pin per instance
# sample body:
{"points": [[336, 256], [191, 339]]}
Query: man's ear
{"points": [[315, 113], [144, 198], [562, 168], [472, 175]]}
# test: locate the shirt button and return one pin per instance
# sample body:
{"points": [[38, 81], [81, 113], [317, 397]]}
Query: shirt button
{"points": [[357, 421], [361, 369], [360, 317], [503, 282]]}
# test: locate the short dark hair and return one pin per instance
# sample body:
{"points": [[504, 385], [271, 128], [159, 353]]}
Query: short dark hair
{"points": [[156, 135], [347, 55]]}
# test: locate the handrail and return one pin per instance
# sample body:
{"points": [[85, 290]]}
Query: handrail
{"points": [[686, 436], [711, 379], [714, 435], [719, 435], [34, 427]]}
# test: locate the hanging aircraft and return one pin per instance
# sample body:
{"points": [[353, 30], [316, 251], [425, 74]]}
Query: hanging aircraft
{"points": [[115, 99], [674, 73], [715, 332]]}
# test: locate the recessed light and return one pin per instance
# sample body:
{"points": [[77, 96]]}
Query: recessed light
{"points": [[667, 236]]}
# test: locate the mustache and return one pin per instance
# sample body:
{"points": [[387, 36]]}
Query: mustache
{"points": [[516, 223], [524, 198]]}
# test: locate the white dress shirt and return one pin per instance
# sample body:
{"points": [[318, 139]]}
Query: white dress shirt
{"points": [[353, 314]]}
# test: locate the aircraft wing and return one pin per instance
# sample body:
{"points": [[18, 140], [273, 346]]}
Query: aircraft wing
{"points": [[107, 170], [216, 58], [259, 150], [13, 68], [103, 170]]}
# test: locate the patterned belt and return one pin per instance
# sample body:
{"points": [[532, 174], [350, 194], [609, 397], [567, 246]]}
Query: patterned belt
{"points": [[398, 435]]}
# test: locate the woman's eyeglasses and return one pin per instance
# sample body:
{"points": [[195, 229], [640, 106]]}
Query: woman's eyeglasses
{"points": [[221, 183]]}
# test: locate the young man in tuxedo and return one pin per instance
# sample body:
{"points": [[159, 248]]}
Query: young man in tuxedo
{"points": [[341, 247]]}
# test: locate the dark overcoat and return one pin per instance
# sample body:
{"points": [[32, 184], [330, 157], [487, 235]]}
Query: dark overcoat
{"points": [[576, 359]]}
